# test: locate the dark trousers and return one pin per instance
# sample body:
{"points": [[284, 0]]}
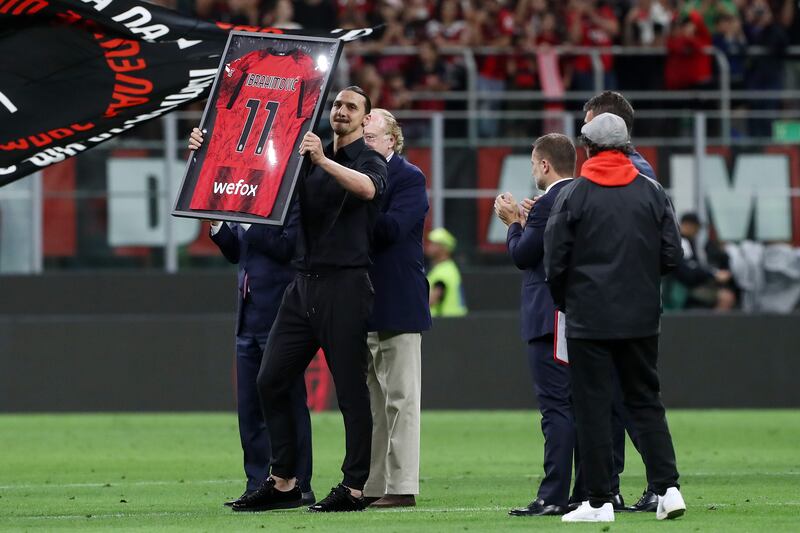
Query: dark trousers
{"points": [[620, 424], [594, 365], [551, 382], [253, 432], [327, 311]]}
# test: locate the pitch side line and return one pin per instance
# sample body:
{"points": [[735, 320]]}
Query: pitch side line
{"points": [[215, 481], [419, 510], [640, 475], [292, 511], [117, 484]]}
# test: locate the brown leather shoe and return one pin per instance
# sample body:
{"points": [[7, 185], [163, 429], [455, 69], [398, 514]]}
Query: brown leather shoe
{"points": [[395, 500]]}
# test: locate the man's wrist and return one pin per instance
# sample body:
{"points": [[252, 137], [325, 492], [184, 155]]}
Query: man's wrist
{"points": [[325, 164]]}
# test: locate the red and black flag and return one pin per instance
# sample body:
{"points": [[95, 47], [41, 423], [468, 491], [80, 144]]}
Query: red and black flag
{"points": [[75, 73]]}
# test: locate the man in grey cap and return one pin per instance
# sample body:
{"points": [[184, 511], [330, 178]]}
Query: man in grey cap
{"points": [[611, 234]]}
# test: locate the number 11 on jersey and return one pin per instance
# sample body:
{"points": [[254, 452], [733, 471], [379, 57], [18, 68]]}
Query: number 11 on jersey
{"points": [[254, 105]]}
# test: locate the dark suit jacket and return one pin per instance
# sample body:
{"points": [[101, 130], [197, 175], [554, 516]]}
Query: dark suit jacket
{"points": [[264, 252], [398, 268], [526, 247]]}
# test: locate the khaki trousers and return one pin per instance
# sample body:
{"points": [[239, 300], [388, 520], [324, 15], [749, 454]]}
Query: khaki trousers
{"points": [[394, 378]]}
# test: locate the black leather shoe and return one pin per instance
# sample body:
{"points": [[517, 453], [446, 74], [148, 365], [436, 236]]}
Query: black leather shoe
{"points": [[267, 498], [618, 502], [646, 504], [338, 501], [309, 498], [538, 508], [231, 502]]}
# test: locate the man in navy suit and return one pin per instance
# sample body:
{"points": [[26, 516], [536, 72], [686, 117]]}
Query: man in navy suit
{"points": [[263, 254], [553, 160], [400, 314]]}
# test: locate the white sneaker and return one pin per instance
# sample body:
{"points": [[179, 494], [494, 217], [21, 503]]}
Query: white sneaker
{"points": [[587, 513], [670, 505]]}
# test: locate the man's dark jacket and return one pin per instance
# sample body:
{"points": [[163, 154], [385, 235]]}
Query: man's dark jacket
{"points": [[526, 247], [612, 233], [264, 253], [398, 269]]}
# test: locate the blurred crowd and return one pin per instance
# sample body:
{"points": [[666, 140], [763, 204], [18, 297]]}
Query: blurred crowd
{"points": [[525, 28], [721, 276]]}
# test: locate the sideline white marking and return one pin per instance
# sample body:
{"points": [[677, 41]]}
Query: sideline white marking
{"points": [[421, 510], [215, 481], [120, 483]]}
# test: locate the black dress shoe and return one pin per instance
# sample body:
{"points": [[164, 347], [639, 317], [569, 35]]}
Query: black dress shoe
{"points": [[618, 502], [538, 508], [338, 501], [309, 498], [231, 502], [267, 498], [646, 504]]}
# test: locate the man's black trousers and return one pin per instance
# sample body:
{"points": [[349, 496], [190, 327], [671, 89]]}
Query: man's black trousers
{"points": [[593, 365], [328, 311]]}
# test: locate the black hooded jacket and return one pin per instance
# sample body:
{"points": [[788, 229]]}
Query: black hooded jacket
{"points": [[611, 235]]}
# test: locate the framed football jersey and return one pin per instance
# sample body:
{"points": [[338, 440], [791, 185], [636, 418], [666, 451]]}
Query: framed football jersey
{"points": [[269, 91]]}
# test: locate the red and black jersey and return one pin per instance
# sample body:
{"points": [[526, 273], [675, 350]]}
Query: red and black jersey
{"points": [[263, 100]]}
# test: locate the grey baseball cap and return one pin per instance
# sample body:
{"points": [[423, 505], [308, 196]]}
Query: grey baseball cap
{"points": [[606, 130]]}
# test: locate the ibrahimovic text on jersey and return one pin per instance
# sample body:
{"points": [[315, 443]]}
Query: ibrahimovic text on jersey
{"points": [[263, 100]]}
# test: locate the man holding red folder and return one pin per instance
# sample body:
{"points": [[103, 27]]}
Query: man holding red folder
{"points": [[553, 160]]}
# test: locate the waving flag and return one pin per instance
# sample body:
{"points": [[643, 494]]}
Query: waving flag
{"points": [[76, 73]]}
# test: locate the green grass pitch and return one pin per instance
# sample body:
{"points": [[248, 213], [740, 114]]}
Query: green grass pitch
{"points": [[169, 472]]}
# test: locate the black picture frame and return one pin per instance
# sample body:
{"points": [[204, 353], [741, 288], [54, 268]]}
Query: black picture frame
{"points": [[241, 43]]}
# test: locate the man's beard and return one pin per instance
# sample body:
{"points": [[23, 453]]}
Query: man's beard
{"points": [[342, 128]]}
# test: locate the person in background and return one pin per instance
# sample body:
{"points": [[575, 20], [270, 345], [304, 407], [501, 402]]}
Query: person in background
{"points": [[491, 23], [429, 73], [446, 297], [696, 284], [592, 24], [646, 24], [448, 26], [729, 38], [712, 10], [281, 16], [687, 66], [766, 71], [399, 316]]}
